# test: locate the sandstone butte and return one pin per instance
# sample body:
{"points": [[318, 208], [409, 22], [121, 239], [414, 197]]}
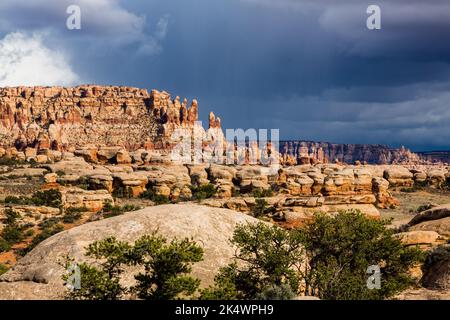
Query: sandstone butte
{"points": [[65, 119]]}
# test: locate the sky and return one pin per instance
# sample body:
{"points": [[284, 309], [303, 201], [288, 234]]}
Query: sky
{"points": [[310, 68]]}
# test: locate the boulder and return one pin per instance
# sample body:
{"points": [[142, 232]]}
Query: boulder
{"points": [[50, 178], [441, 226], [418, 237], [38, 274], [92, 200], [435, 213], [399, 176], [123, 157]]}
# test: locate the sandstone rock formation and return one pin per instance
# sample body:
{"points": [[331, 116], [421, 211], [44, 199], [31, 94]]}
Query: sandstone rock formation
{"points": [[38, 274], [302, 152], [73, 118]]}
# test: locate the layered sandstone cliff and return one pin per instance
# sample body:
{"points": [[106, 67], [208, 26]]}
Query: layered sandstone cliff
{"points": [[324, 152], [69, 118]]}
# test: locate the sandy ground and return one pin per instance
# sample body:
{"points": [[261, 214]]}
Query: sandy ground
{"points": [[411, 201]]}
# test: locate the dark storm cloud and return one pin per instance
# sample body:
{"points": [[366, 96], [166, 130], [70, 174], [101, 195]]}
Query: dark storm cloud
{"points": [[310, 68]]}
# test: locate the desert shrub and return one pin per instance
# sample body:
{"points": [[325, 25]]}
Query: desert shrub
{"points": [[12, 234], [235, 192], [4, 161], [165, 269], [110, 211], [260, 208], [60, 173], [424, 207], [73, 214], [49, 198], [4, 245], [43, 235], [261, 193], [49, 222], [281, 292], [14, 200], [11, 216], [3, 269], [158, 199], [441, 253], [205, 191], [267, 257], [340, 249]]}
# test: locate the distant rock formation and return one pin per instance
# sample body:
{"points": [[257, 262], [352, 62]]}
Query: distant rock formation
{"points": [[305, 152]]}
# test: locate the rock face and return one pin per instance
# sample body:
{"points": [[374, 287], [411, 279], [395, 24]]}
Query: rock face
{"points": [[302, 152], [38, 274], [71, 118]]}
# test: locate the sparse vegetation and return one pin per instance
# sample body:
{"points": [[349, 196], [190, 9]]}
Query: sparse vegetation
{"points": [[166, 267], [205, 191], [262, 193], [337, 252], [110, 211], [158, 199], [72, 215], [46, 233], [268, 257], [49, 198], [260, 208], [340, 249], [3, 269]]}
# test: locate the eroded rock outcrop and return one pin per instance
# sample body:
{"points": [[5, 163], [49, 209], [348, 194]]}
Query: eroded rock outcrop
{"points": [[38, 274], [59, 118]]}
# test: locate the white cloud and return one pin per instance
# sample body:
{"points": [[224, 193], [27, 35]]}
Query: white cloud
{"points": [[104, 23], [25, 60]]}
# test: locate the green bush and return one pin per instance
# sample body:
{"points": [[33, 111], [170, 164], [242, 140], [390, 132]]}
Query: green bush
{"points": [[43, 235], [11, 216], [49, 198], [205, 191], [3, 269], [12, 234], [340, 249], [330, 256], [281, 292], [110, 211], [441, 253], [72, 215], [261, 193], [158, 199], [260, 208], [4, 245], [268, 257], [165, 269]]}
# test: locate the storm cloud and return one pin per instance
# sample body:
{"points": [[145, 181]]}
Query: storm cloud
{"points": [[310, 68]]}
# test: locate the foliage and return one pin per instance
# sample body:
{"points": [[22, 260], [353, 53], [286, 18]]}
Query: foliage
{"points": [[260, 208], [73, 214], [268, 256], [11, 216], [205, 191], [122, 192], [3, 269], [281, 292], [340, 249], [46, 233], [4, 161], [441, 253], [4, 245], [49, 198], [262, 193], [110, 211], [165, 269], [158, 199]]}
